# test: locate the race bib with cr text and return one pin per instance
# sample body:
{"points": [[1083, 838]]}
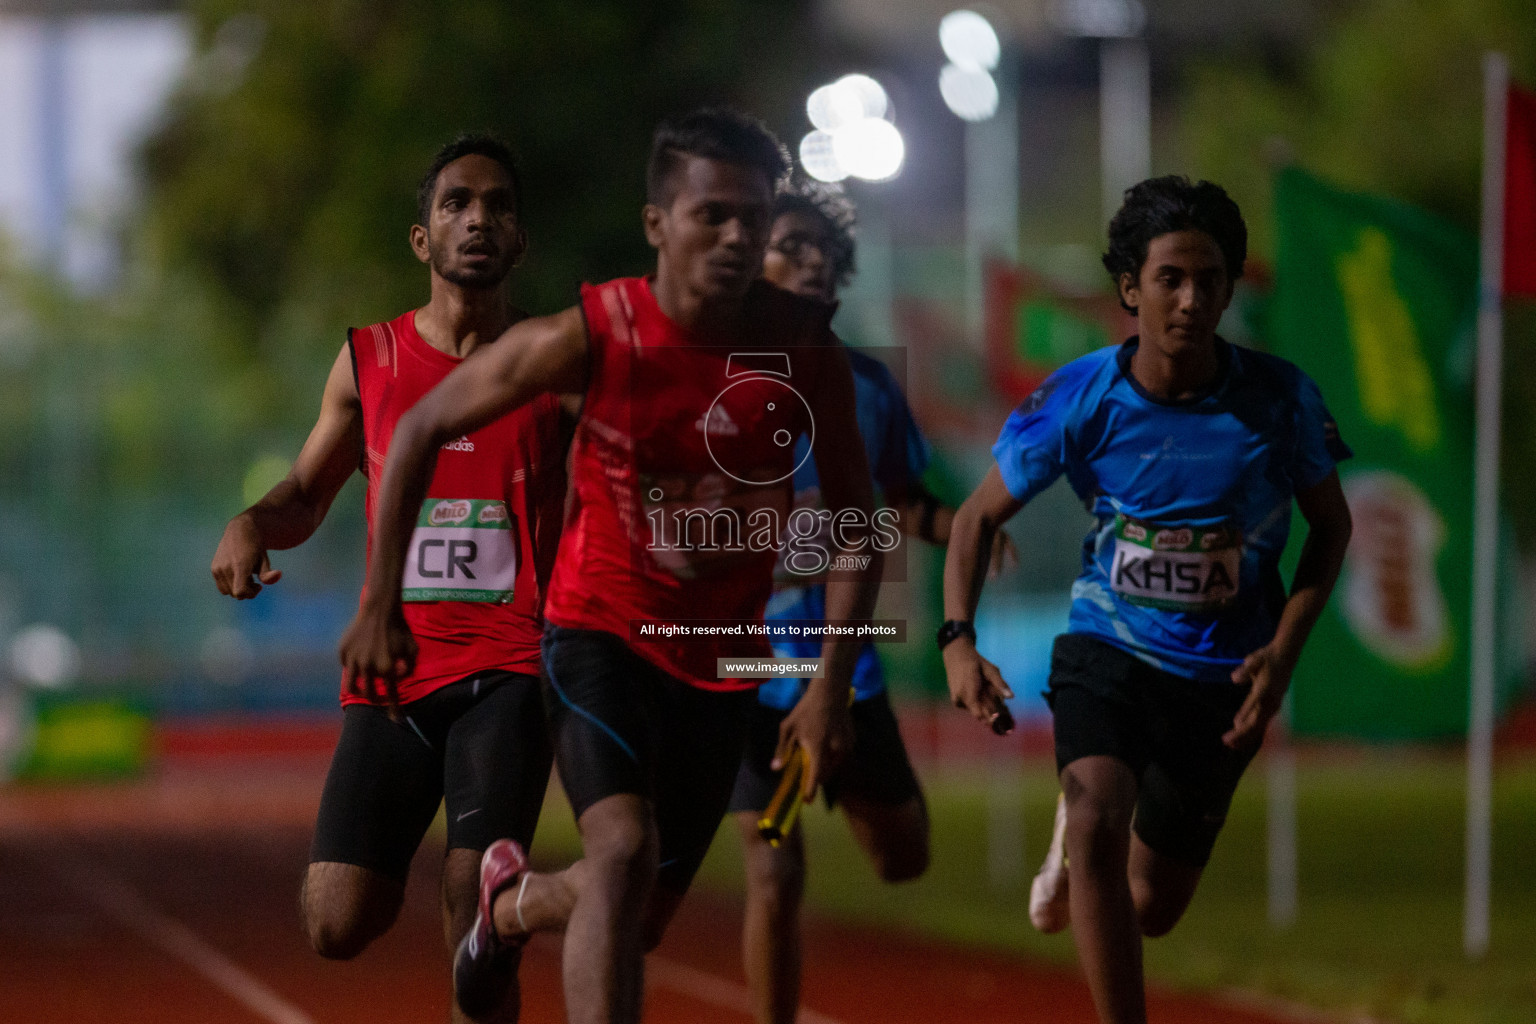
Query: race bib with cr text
{"points": [[461, 550]]}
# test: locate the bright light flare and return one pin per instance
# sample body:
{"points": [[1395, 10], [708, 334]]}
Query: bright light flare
{"points": [[847, 100], [969, 93], [969, 40], [819, 157], [831, 107], [852, 136], [873, 102], [871, 149]]}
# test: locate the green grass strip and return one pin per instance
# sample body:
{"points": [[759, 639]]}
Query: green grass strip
{"points": [[1380, 891]]}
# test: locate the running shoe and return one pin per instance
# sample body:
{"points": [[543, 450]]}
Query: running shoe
{"points": [[485, 965], [1049, 909]]}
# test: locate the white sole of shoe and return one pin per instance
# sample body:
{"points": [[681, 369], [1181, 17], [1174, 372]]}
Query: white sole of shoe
{"points": [[1049, 906]]}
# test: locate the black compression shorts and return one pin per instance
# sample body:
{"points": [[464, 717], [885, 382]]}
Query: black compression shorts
{"points": [[1166, 728], [622, 725], [478, 745]]}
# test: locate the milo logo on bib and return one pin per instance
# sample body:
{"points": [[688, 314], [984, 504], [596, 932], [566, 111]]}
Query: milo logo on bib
{"points": [[447, 513], [1184, 568], [461, 550]]}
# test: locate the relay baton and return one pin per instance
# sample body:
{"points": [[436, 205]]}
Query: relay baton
{"points": [[784, 809]]}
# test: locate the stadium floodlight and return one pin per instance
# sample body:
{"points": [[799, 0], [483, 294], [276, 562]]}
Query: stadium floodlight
{"points": [[969, 41], [833, 106], [849, 99], [819, 157], [854, 136], [987, 105], [873, 102], [871, 149], [970, 93]]}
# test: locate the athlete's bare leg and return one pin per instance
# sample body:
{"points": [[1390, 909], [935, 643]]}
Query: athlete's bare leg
{"points": [[770, 936], [1101, 798], [461, 882], [604, 904], [894, 836], [1162, 888], [345, 907]]}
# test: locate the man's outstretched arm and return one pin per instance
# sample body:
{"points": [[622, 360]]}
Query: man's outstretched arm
{"points": [[975, 684], [291, 511], [1269, 668], [538, 355]]}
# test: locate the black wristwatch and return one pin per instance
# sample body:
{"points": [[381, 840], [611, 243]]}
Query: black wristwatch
{"points": [[955, 628]]}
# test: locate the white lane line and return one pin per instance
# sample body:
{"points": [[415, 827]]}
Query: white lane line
{"points": [[714, 990], [120, 901]]}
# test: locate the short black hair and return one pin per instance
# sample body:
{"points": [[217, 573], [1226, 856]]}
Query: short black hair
{"points": [[1158, 206], [717, 133], [467, 144], [828, 201]]}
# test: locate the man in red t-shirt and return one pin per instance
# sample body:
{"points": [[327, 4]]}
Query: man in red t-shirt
{"points": [[465, 725], [698, 382]]}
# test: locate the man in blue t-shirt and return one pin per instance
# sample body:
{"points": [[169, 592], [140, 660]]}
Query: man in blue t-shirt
{"points": [[810, 252], [1182, 637]]}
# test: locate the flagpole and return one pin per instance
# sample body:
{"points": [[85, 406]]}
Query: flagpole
{"points": [[1486, 519]]}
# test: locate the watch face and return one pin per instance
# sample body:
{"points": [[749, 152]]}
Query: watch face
{"points": [[954, 628]]}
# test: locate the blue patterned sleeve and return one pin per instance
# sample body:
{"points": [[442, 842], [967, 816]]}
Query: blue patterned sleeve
{"points": [[1319, 448], [1031, 450]]}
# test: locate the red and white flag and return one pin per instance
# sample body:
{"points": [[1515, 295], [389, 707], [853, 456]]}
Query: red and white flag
{"points": [[1520, 193]]}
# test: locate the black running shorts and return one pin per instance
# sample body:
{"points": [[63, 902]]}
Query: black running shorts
{"points": [[622, 725], [478, 745], [877, 770], [1165, 727]]}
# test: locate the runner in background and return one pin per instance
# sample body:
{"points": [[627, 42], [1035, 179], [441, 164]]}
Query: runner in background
{"points": [[1182, 637], [697, 382], [811, 253], [465, 724]]}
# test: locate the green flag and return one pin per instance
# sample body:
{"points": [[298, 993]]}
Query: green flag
{"points": [[1376, 300]]}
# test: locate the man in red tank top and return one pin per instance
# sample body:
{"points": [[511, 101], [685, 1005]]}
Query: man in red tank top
{"points": [[465, 724], [697, 382]]}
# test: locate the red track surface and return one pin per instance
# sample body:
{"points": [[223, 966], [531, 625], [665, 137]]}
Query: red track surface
{"points": [[173, 900]]}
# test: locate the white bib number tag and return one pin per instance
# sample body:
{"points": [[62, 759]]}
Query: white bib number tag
{"points": [[1185, 568], [461, 550]]}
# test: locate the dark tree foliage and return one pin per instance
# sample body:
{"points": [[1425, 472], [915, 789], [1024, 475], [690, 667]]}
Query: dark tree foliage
{"points": [[284, 176], [1388, 99]]}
